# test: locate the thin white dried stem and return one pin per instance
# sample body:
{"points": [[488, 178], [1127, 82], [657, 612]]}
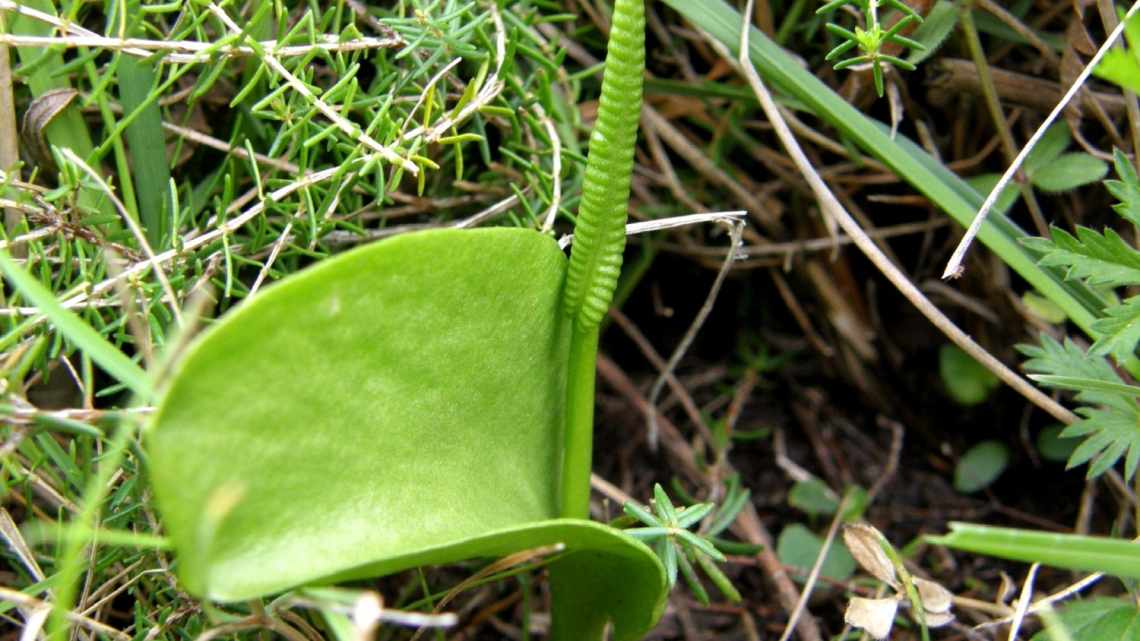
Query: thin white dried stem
{"points": [[9, 150], [427, 90], [832, 207], [16, 543], [132, 224], [34, 620], [85, 299], [954, 266], [479, 217], [793, 470], [609, 490], [350, 129], [201, 51], [813, 576], [736, 229], [491, 88], [1023, 602], [22, 239], [221, 145], [277, 245], [1039, 605], [555, 168], [30, 602], [660, 224]]}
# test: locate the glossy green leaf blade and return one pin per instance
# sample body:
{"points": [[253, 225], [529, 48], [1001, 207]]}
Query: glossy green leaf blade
{"points": [[403, 397], [1119, 557], [605, 575]]}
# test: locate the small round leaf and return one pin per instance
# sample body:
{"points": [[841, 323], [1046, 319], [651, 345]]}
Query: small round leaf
{"points": [[966, 380], [1053, 447], [980, 466]]}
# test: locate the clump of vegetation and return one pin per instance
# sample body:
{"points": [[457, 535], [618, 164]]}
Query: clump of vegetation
{"points": [[291, 343]]}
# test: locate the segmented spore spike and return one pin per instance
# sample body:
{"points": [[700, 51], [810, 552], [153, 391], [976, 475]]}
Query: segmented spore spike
{"points": [[599, 237]]}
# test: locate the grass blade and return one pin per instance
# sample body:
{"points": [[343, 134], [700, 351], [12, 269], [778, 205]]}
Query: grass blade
{"points": [[1119, 557], [911, 163], [91, 342]]}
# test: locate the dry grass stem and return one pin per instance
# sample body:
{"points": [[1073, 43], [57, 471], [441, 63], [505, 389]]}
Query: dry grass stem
{"points": [[954, 265], [347, 127], [735, 230], [133, 225], [831, 206]]}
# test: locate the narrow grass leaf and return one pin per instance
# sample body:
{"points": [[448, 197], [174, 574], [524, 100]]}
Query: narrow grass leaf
{"points": [[1075, 552], [80, 333], [910, 162]]}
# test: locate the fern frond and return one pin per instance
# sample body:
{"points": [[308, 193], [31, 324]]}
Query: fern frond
{"points": [[599, 235], [1100, 259]]}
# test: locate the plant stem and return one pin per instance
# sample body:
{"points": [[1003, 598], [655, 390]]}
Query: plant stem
{"points": [[906, 159], [579, 442], [9, 152], [993, 104]]}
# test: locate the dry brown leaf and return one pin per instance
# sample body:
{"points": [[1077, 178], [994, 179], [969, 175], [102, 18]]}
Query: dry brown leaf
{"points": [[873, 615], [866, 544], [938, 619], [935, 598]]}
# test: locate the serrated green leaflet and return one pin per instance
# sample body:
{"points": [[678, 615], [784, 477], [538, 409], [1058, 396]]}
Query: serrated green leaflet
{"points": [[1120, 330], [398, 405], [1100, 259]]}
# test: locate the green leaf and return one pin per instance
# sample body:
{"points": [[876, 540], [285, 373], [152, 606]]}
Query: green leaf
{"points": [[1120, 68], [1098, 259], [935, 28], [966, 380], [1054, 447], [1071, 170], [985, 183], [1043, 308], [813, 497], [394, 406], [912, 164], [1052, 358], [980, 466], [1052, 144], [1086, 384], [1095, 619], [1120, 330], [147, 147], [1119, 557], [798, 546], [78, 332], [1127, 189], [1110, 433]]}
